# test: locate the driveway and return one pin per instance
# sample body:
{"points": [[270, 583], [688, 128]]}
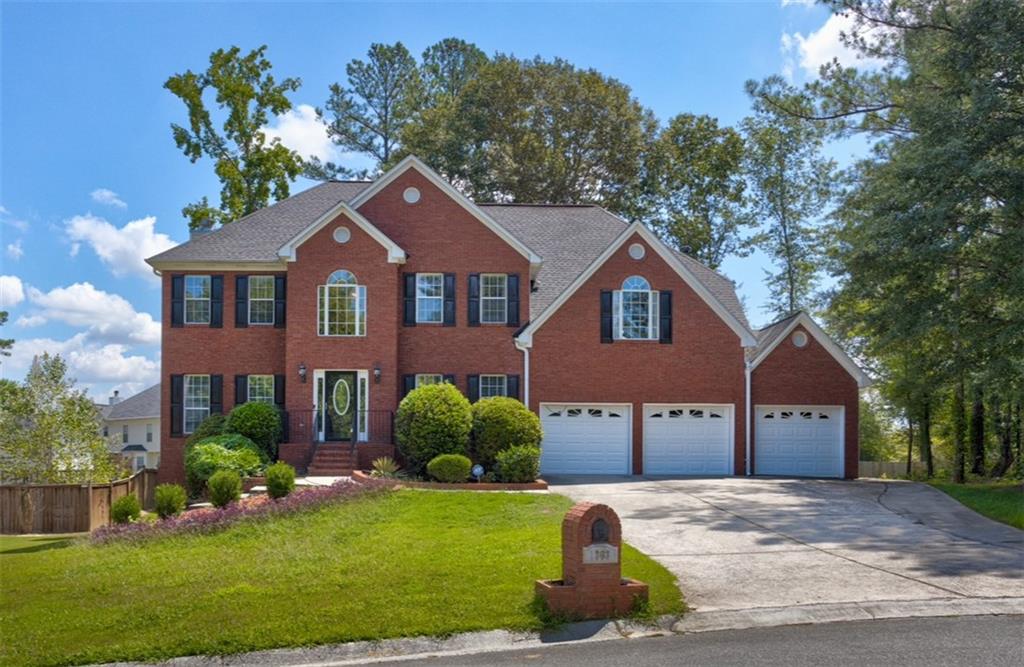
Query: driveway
{"points": [[739, 543]]}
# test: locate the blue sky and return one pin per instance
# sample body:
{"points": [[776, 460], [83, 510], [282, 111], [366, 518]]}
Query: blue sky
{"points": [[91, 182]]}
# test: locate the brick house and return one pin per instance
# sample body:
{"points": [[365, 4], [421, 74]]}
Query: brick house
{"points": [[334, 303]]}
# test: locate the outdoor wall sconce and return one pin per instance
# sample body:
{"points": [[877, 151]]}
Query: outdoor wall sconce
{"points": [[376, 374], [302, 371]]}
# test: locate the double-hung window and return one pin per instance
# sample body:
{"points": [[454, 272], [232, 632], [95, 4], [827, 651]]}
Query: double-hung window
{"points": [[493, 298], [261, 388], [197, 401], [430, 297], [261, 299], [635, 310], [341, 306], [493, 385], [149, 433], [423, 379], [197, 299], [124, 433]]}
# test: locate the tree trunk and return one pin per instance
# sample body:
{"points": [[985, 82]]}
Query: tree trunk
{"points": [[910, 445], [926, 439], [959, 431], [978, 433], [1003, 422]]}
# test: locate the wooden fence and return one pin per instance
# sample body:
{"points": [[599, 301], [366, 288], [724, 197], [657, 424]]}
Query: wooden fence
{"points": [[891, 469], [68, 508]]}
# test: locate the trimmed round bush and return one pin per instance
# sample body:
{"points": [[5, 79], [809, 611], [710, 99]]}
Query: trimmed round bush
{"points": [[225, 487], [209, 427], [280, 480], [500, 423], [205, 459], [449, 468], [235, 442], [519, 465], [260, 422], [170, 500], [125, 509], [432, 420]]}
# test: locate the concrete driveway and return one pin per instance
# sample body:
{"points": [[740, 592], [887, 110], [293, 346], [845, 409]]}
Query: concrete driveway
{"points": [[738, 543]]}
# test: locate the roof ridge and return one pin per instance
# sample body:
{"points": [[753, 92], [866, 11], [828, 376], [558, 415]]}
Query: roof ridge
{"points": [[786, 318], [539, 204]]}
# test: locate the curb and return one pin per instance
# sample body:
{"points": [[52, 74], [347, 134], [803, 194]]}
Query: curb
{"points": [[414, 648]]}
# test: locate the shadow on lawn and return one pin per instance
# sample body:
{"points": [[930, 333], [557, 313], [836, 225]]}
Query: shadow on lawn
{"points": [[27, 545]]}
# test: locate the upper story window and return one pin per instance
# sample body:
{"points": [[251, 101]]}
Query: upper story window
{"points": [[197, 401], [261, 299], [261, 388], [341, 306], [124, 433], [635, 310], [197, 299], [149, 433], [430, 297], [493, 298]]}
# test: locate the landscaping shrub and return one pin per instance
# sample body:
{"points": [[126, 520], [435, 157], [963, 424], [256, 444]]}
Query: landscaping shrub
{"points": [[125, 509], [519, 464], [432, 420], [204, 459], [449, 468], [209, 427], [260, 422], [225, 487], [170, 500], [280, 480], [235, 442], [386, 468], [500, 423]]}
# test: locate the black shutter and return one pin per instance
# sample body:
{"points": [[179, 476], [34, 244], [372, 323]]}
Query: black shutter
{"points": [[450, 379], [512, 386], [216, 394], [216, 301], [177, 401], [449, 299], [473, 384], [474, 299], [409, 300], [408, 384], [280, 296], [606, 316], [279, 391], [177, 301], [512, 284], [665, 316], [241, 389], [241, 301]]}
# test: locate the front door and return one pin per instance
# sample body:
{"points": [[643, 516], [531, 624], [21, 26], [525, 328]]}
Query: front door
{"points": [[337, 404]]}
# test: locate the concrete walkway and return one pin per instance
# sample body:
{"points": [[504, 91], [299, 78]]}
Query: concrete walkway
{"points": [[739, 544]]}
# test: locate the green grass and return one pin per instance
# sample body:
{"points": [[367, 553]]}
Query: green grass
{"points": [[1002, 501], [399, 564]]}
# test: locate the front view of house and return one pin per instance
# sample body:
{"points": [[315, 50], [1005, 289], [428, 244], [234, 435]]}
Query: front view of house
{"points": [[336, 302]]}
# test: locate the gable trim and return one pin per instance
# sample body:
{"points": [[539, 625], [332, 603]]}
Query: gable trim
{"points": [[412, 162], [747, 338], [838, 353], [289, 251]]}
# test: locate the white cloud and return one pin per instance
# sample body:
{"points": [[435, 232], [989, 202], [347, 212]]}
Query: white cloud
{"points": [[12, 292], [821, 46], [805, 3], [109, 318], [123, 249], [7, 218], [15, 251], [300, 130], [107, 197]]}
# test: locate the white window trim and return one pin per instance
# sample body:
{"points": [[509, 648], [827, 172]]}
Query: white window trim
{"points": [[424, 376], [208, 300], [440, 319], [653, 324], [504, 385], [250, 299], [149, 433], [503, 298], [248, 387], [360, 321], [184, 403]]}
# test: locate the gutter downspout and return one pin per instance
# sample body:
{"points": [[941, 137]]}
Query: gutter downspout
{"points": [[525, 349], [746, 374]]}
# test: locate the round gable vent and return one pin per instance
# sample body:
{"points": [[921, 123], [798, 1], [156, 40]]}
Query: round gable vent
{"points": [[800, 339], [342, 234], [411, 195], [637, 251]]}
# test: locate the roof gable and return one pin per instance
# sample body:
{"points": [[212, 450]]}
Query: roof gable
{"points": [[289, 251], [145, 404], [777, 332]]}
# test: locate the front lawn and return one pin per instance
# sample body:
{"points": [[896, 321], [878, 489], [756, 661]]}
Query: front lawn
{"points": [[396, 564], [1002, 501]]}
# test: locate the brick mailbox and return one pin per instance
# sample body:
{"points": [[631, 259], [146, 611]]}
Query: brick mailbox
{"points": [[591, 585]]}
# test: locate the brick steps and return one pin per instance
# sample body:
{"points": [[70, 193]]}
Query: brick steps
{"points": [[331, 461]]}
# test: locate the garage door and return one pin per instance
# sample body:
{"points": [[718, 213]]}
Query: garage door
{"points": [[687, 439], [798, 440], [585, 439]]}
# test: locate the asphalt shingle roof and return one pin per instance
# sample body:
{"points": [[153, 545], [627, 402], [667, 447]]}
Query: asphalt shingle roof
{"points": [[143, 404], [767, 334]]}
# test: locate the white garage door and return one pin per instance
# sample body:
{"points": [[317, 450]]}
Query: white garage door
{"points": [[585, 439], [687, 439], [798, 440]]}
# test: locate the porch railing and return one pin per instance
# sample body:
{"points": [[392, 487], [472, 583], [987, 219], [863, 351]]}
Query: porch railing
{"points": [[369, 426]]}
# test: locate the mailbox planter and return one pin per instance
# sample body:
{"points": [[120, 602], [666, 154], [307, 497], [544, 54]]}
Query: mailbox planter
{"points": [[592, 585]]}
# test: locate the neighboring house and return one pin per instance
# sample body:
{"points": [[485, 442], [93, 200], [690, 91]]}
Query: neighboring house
{"points": [[132, 427], [336, 302]]}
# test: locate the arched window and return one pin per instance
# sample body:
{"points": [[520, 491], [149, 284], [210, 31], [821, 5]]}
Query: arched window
{"points": [[635, 310], [341, 306]]}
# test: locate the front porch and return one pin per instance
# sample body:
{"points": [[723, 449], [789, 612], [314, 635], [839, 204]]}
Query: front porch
{"points": [[317, 447]]}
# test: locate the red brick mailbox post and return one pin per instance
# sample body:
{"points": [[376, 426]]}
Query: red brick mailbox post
{"points": [[591, 585]]}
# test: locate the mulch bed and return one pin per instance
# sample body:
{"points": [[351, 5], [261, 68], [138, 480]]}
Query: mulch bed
{"points": [[538, 485]]}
